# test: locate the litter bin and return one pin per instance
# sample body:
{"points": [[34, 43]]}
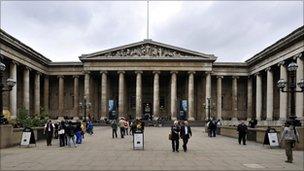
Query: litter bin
{"points": [[138, 140]]}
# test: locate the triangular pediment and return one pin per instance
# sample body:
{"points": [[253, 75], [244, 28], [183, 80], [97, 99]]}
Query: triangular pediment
{"points": [[147, 49]]}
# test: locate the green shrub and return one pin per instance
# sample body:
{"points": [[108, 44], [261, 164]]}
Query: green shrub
{"points": [[25, 120]]}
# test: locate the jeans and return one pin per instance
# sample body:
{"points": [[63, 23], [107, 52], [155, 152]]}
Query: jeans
{"points": [[175, 145], [72, 139]]}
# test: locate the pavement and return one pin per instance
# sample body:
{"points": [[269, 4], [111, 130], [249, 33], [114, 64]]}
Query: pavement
{"points": [[101, 152]]}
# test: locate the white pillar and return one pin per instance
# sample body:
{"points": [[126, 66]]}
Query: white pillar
{"points": [[156, 94], [208, 90], [37, 93], [283, 95], [61, 95], [87, 86], [138, 94], [269, 96], [219, 96], [300, 96], [76, 95], [26, 88], [121, 91], [191, 95], [173, 95], [258, 96], [104, 94], [13, 92], [249, 98]]}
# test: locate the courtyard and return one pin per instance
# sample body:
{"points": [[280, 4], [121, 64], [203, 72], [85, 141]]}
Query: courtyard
{"points": [[101, 152]]}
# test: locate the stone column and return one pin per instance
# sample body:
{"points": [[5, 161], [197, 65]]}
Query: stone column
{"points": [[208, 91], [283, 95], [26, 88], [76, 95], [138, 94], [191, 95], [156, 94], [121, 91], [219, 96], [61, 95], [300, 96], [258, 96], [269, 96], [87, 85], [173, 95], [13, 92], [249, 98], [235, 97], [46, 91], [104, 95], [37, 93]]}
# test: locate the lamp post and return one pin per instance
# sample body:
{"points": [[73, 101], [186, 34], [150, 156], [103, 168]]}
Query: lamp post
{"points": [[292, 67], [6, 86], [208, 106], [85, 105]]}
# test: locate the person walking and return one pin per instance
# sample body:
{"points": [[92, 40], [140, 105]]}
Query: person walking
{"points": [[126, 125], [185, 134], [71, 135], [242, 130], [175, 129], [78, 131], [213, 127], [122, 127], [49, 131], [114, 128], [61, 134], [290, 137]]}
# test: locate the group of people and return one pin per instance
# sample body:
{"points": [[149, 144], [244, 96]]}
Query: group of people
{"points": [[180, 129], [69, 133], [126, 127]]}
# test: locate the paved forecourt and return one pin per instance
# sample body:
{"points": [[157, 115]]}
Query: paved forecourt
{"points": [[101, 152]]}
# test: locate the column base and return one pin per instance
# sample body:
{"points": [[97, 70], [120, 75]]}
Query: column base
{"points": [[102, 118], [191, 119], [173, 118], [234, 122], [76, 118], [13, 117]]}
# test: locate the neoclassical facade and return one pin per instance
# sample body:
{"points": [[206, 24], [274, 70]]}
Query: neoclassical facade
{"points": [[155, 78]]}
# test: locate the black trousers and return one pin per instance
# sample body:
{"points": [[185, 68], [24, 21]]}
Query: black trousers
{"points": [[61, 140], [213, 132], [114, 132], [185, 142], [175, 145], [49, 137], [242, 137], [122, 132]]}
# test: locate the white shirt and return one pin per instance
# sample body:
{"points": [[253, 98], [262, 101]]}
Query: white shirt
{"points": [[186, 130]]}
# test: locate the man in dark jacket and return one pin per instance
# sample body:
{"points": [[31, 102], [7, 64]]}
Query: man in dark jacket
{"points": [[175, 129], [242, 129], [185, 134], [49, 130]]}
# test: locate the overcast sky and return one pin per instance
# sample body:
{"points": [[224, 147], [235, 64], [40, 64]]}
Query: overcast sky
{"points": [[232, 31]]}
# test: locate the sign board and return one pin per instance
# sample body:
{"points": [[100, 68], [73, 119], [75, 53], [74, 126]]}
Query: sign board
{"points": [[273, 139], [25, 140], [138, 141]]}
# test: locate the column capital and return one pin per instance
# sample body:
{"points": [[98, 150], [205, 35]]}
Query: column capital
{"points": [[86, 72], [257, 74], [191, 72], [220, 76], [173, 72], [121, 72], [75, 76], [103, 72], [60, 76], [268, 69], [27, 68], [138, 72], [300, 56], [281, 63], [38, 73], [46, 76], [235, 77], [208, 72], [15, 62], [156, 72]]}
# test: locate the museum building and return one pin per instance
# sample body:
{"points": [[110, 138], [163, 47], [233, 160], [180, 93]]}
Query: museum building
{"points": [[149, 78]]}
